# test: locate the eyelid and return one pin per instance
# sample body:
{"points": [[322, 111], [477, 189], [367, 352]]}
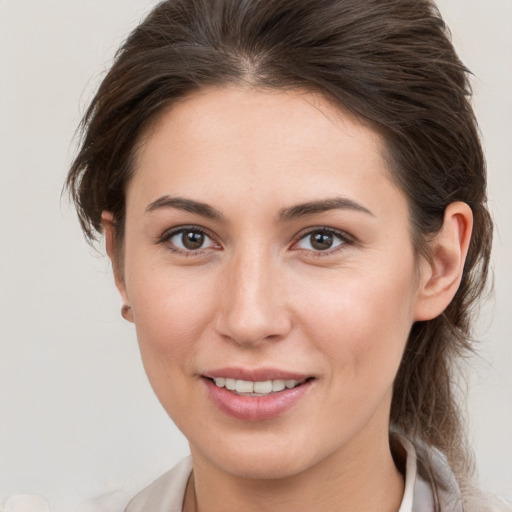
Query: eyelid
{"points": [[345, 238], [166, 236]]}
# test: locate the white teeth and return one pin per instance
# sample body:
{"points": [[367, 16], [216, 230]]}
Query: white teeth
{"points": [[278, 385], [244, 386], [247, 387], [231, 384], [263, 387]]}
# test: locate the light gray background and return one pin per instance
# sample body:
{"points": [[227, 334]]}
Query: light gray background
{"points": [[78, 421]]}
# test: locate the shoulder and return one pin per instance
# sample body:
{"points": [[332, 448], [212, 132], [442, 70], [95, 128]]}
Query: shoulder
{"points": [[450, 494], [166, 493]]}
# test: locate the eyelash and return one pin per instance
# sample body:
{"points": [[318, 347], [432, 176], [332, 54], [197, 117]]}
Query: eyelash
{"points": [[343, 238], [169, 235]]}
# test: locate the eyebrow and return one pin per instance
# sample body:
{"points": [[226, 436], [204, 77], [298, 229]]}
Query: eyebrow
{"points": [[188, 205], [285, 215], [323, 205]]}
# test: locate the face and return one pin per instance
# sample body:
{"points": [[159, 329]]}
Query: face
{"points": [[268, 250]]}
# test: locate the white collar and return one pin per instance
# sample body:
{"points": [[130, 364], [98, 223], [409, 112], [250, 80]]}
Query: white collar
{"points": [[166, 494], [418, 494]]}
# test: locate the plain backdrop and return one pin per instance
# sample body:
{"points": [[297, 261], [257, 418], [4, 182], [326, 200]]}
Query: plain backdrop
{"points": [[79, 423]]}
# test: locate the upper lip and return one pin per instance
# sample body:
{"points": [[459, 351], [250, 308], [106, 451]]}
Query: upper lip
{"points": [[255, 374]]}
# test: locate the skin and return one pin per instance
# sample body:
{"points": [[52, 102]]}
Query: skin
{"points": [[259, 294]]}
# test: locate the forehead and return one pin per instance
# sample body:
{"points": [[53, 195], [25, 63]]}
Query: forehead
{"points": [[208, 114], [293, 142]]}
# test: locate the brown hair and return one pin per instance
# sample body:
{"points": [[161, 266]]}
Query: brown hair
{"points": [[390, 62]]}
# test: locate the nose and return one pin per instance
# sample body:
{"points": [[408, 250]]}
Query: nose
{"points": [[252, 307]]}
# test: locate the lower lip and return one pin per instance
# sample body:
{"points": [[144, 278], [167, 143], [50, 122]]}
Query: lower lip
{"points": [[255, 408]]}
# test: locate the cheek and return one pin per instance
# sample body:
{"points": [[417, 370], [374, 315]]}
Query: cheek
{"points": [[362, 323], [171, 310]]}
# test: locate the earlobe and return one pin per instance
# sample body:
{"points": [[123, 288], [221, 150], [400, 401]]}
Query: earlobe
{"points": [[441, 275], [107, 220]]}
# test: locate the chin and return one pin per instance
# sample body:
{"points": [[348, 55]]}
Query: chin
{"points": [[264, 467], [261, 459]]}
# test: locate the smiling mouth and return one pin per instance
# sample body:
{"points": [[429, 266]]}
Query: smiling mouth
{"points": [[257, 388]]}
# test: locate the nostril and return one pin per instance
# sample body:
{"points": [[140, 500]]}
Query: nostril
{"points": [[248, 328]]}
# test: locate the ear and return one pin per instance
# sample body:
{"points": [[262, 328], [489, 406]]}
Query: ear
{"points": [[441, 275], [107, 220]]}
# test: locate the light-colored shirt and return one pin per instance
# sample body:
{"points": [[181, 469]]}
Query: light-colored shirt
{"points": [[167, 493]]}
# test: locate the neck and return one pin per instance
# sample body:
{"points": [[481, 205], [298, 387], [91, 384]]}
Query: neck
{"points": [[355, 479]]}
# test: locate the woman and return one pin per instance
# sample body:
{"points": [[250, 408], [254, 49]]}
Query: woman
{"points": [[293, 198]]}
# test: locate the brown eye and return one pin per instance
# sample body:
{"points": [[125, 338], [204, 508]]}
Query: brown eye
{"points": [[189, 240], [192, 240], [321, 240]]}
